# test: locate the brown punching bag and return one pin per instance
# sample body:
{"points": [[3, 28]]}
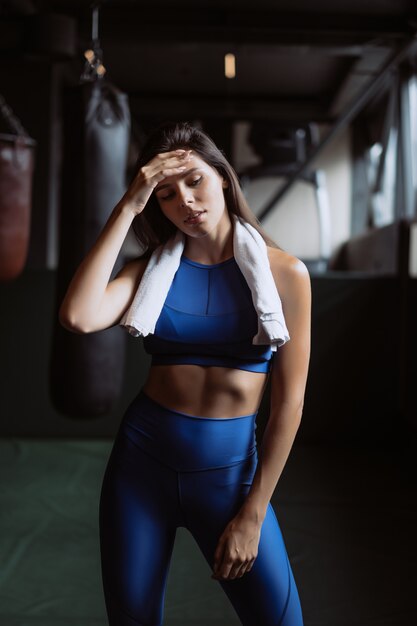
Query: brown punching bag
{"points": [[86, 370], [16, 170]]}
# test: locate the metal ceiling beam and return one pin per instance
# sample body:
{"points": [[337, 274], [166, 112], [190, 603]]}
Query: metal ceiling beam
{"points": [[379, 83], [367, 66], [263, 27], [232, 107]]}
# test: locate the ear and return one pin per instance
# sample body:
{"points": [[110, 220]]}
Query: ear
{"points": [[225, 184]]}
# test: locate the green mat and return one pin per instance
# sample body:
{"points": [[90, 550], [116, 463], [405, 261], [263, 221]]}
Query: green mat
{"points": [[50, 561], [348, 518]]}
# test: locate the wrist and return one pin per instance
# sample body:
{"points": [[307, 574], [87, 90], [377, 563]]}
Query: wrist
{"points": [[253, 512], [128, 208]]}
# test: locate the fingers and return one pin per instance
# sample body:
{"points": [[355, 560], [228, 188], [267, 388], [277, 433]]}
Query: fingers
{"points": [[236, 550], [147, 178], [237, 571], [218, 557], [231, 567], [172, 154], [244, 569], [166, 163], [163, 165], [171, 171]]}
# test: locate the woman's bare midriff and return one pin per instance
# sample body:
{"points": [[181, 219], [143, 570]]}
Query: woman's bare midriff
{"points": [[206, 391]]}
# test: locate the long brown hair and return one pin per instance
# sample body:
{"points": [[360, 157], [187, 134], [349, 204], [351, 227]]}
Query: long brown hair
{"points": [[151, 227]]}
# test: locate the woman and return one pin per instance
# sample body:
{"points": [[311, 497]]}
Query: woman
{"points": [[185, 453]]}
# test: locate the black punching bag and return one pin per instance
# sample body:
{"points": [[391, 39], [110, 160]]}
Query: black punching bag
{"points": [[86, 371]]}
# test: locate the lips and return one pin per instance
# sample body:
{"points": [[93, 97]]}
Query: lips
{"points": [[193, 216]]}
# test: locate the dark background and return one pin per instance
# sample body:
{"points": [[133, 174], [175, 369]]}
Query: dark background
{"points": [[346, 499]]}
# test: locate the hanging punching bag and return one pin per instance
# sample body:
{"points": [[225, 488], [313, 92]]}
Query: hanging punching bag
{"points": [[87, 369], [16, 170]]}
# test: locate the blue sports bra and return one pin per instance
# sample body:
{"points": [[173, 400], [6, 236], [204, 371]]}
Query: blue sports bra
{"points": [[208, 318]]}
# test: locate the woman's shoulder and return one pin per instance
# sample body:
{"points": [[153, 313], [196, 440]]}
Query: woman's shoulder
{"points": [[289, 272], [285, 263]]}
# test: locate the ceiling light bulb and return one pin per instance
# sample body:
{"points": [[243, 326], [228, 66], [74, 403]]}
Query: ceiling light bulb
{"points": [[229, 65], [89, 55]]}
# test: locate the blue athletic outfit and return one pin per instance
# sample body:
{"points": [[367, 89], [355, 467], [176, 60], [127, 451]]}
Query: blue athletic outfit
{"points": [[169, 469]]}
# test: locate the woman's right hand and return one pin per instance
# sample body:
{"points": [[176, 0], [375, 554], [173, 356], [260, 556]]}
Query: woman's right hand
{"points": [[162, 165]]}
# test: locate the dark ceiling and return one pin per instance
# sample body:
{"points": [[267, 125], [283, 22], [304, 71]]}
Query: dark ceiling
{"points": [[295, 59]]}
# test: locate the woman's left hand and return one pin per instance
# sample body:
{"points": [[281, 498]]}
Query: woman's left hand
{"points": [[237, 548]]}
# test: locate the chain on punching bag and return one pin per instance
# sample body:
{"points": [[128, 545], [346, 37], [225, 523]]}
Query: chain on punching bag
{"points": [[87, 369], [16, 171]]}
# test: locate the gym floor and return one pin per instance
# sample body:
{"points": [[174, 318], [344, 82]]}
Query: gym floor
{"points": [[348, 515]]}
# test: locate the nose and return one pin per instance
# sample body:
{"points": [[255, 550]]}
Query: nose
{"points": [[185, 198]]}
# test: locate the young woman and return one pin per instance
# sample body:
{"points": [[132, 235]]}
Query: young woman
{"points": [[185, 453]]}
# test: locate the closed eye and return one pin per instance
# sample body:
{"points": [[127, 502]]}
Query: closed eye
{"points": [[193, 183], [169, 195]]}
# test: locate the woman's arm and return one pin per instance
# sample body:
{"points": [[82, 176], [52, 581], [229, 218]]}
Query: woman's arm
{"points": [[85, 308], [237, 547], [288, 381], [91, 302]]}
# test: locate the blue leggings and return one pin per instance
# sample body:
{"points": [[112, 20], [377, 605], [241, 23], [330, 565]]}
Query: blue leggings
{"points": [[169, 469]]}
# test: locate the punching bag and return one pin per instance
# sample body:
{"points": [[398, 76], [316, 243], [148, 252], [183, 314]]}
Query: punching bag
{"points": [[16, 170], [86, 370]]}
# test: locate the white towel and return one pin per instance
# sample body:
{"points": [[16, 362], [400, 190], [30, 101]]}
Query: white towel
{"points": [[251, 256]]}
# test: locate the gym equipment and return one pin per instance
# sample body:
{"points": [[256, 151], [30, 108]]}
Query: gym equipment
{"points": [[87, 370], [16, 172]]}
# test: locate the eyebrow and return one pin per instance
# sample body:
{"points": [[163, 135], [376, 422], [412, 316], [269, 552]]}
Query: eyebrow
{"points": [[181, 175]]}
